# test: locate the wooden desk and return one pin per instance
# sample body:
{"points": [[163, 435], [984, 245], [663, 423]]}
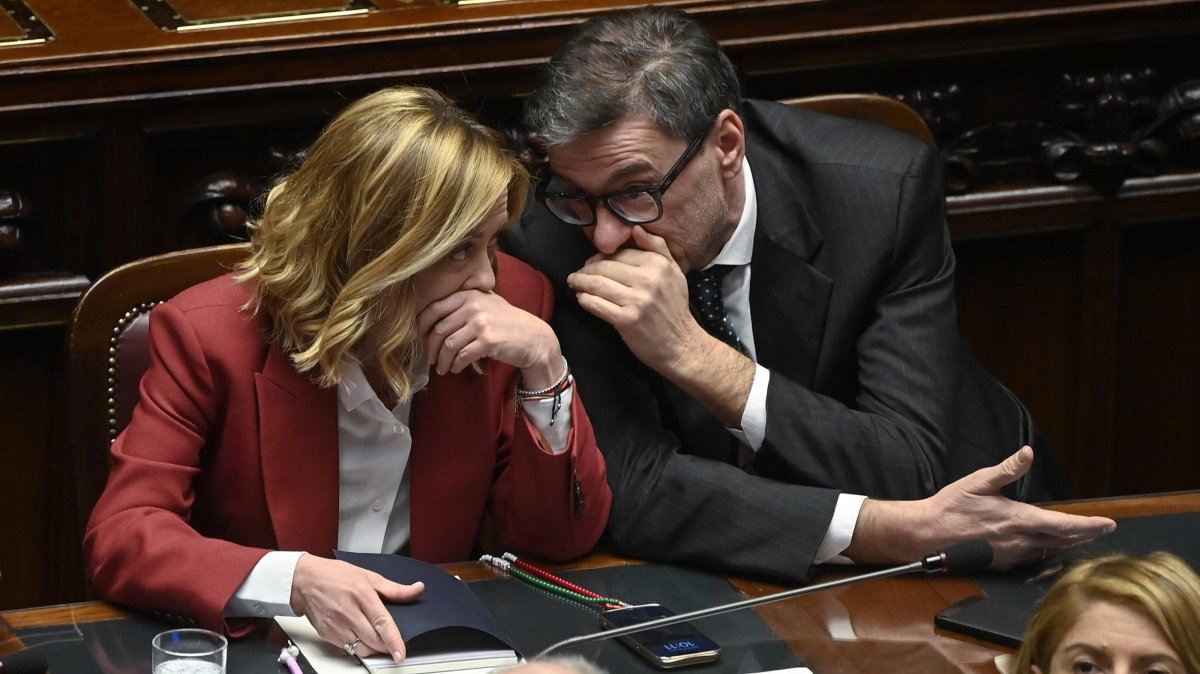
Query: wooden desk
{"points": [[880, 626]]}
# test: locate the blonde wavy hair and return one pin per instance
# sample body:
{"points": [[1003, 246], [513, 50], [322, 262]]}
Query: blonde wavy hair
{"points": [[393, 184], [1159, 586]]}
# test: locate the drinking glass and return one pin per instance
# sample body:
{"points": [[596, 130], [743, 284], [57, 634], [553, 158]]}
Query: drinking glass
{"points": [[189, 651]]}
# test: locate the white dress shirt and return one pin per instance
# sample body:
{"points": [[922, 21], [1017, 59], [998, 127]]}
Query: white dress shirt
{"points": [[735, 292], [374, 444]]}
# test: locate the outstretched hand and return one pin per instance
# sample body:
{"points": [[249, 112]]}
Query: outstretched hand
{"points": [[972, 508], [1019, 533], [345, 603]]}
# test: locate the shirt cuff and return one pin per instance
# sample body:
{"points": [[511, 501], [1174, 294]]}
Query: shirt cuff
{"points": [[754, 416], [841, 530], [267, 590], [541, 411]]}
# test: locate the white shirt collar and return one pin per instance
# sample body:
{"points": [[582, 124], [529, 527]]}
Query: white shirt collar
{"points": [[739, 249], [355, 390]]}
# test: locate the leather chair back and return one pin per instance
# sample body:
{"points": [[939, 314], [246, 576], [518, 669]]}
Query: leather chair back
{"points": [[871, 108], [108, 351]]}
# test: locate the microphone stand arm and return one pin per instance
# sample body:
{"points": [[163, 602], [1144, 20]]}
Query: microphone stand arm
{"points": [[726, 608]]}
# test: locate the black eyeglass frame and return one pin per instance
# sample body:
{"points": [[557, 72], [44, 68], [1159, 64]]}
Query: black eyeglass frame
{"points": [[656, 193]]}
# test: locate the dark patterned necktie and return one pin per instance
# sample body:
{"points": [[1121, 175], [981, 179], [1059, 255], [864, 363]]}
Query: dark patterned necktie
{"points": [[705, 289]]}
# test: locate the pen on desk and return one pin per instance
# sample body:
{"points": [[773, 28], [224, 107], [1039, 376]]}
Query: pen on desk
{"points": [[287, 656]]}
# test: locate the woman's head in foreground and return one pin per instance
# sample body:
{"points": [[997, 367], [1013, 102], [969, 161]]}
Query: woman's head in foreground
{"points": [[1117, 614]]}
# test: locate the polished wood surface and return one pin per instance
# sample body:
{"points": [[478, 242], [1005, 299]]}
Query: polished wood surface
{"points": [[1137, 506], [880, 626]]}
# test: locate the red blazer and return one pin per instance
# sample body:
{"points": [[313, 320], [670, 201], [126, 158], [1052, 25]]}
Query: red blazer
{"points": [[231, 453]]}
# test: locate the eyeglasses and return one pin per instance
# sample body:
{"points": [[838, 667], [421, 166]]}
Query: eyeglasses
{"points": [[637, 205]]}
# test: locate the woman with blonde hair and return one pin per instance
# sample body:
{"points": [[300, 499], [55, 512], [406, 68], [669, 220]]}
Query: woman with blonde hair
{"points": [[376, 377], [1117, 614]]}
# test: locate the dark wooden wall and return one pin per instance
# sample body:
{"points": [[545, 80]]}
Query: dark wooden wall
{"points": [[1068, 128]]}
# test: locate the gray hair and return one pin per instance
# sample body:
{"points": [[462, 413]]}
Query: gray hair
{"points": [[647, 61], [573, 663]]}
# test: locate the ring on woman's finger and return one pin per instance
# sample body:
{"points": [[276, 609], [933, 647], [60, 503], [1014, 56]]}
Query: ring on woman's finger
{"points": [[349, 648]]}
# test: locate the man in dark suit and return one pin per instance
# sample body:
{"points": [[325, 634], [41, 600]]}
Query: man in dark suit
{"points": [[759, 304]]}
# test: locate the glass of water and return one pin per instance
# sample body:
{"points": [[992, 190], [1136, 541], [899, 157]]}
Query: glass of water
{"points": [[189, 651]]}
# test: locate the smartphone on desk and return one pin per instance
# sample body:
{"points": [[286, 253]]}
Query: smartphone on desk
{"points": [[666, 647]]}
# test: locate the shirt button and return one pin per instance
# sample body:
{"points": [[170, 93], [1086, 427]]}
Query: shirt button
{"points": [[377, 505], [397, 429]]}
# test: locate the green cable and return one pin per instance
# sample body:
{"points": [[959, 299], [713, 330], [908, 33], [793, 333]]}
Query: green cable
{"points": [[570, 594]]}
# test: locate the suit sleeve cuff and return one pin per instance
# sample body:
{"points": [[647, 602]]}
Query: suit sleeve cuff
{"points": [[754, 416], [267, 590], [555, 427], [841, 530]]}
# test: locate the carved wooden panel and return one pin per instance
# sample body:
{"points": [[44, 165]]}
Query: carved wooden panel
{"points": [[16, 216], [185, 15], [45, 193], [40, 559], [1115, 126], [209, 179], [1096, 115], [1158, 378], [1019, 306], [20, 26]]}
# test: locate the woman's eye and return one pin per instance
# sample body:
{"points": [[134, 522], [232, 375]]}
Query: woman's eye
{"points": [[461, 252], [1084, 667]]}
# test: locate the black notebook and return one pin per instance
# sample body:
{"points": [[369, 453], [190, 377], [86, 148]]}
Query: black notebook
{"points": [[446, 629], [985, 619]]}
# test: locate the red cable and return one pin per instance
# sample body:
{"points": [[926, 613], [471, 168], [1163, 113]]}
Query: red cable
{"points": [[562, 582]]}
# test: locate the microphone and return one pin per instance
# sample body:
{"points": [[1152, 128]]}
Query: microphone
{"points": [[24, 662], [965, 556]]}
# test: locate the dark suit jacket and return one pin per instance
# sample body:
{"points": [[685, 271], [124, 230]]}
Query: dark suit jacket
{"points": [[231, 453], [852, 303]]}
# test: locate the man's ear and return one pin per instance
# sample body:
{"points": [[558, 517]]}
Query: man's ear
{"points": [[731, 139]]}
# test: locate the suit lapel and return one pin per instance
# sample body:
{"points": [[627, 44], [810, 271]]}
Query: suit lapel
{"points": [[784, 283], [422, 462], [299, 443], [449, 468]]}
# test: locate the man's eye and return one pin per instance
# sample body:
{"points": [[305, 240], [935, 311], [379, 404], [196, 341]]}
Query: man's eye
{"points": [[632, 195]]}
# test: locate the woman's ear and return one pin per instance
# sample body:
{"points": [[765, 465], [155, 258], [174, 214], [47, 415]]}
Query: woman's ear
{"points": [[1035, 669]]}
